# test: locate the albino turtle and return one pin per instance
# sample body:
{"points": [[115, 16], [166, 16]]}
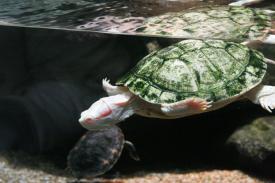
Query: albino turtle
{"points": [[187, 78]]}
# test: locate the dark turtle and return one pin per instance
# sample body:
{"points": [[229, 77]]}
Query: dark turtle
{"points": [[97, 152]]}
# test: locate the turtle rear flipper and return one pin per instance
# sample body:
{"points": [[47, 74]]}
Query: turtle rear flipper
{"points": [[96, 152]]}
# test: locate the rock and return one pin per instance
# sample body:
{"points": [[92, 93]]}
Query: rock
{"points": [[254, 144]]}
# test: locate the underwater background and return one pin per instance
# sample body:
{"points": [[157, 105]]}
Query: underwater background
{"points": [[54, 55]]}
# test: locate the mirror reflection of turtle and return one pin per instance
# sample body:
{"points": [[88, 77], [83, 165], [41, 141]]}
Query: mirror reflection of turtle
{"points": [[187, 78], [235, 23], [232, 23]]}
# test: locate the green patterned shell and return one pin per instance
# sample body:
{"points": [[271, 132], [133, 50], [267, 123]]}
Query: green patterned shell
{"points": [[221, 22], [212, 69]]}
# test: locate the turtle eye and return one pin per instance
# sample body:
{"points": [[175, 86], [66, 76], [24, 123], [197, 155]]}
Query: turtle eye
{"points": [[105, 113], [102, 110], [89, 121]]}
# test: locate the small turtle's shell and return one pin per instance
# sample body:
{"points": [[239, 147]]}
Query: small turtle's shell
{"points": [[222, 22], [96, 152], [213, 70]]}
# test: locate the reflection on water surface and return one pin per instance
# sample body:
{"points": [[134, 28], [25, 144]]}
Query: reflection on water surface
{"points": [[71, 14]]}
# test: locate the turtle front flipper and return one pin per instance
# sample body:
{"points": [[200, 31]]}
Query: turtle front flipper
{"points": [[96, 152], [186, 107], [245, 2], [270, 39], [112, 90]]}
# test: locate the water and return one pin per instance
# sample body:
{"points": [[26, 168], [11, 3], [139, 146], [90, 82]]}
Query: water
{"points": [[57, 74]]}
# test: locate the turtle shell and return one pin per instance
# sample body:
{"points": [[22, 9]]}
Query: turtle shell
{"points": [[210, 69], [221, 22], [96, 152]]}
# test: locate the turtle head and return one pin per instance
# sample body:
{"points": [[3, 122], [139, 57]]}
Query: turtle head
{"points": [[98, 116], [107, 111]]}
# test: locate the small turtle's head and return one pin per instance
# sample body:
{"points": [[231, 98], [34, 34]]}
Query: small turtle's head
{"points": [[98, 116]]}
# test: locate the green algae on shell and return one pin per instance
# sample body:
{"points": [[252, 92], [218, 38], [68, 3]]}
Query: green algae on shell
{"points": [[211, 69]]}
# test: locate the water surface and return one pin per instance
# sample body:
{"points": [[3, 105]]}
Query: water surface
{"points": [[82, 14]]}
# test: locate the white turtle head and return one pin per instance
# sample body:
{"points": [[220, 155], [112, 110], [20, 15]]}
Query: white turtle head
{"points": [[98, 116], [107, 112]]}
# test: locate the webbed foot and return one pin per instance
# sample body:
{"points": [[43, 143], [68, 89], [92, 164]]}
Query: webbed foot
{"points": [[111, 89], [186, 107], [268, 102], [198, 104]]}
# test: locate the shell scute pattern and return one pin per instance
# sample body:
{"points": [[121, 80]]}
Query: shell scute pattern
{"points": [[221, 22], [146, 68], [152, 94], [170, 53], [173, 74], [213, 70]]}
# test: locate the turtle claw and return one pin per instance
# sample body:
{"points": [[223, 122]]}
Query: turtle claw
{"points": [[209, 104], [268, 105], [199, 104], [110, 89], [106, 83]]}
